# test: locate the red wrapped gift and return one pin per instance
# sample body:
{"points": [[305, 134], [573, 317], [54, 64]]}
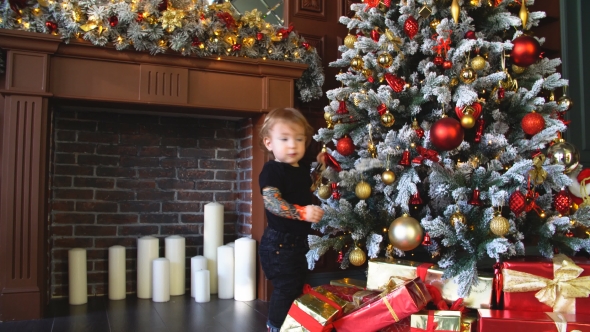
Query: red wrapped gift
{"points": [[401, 326], [394, 304], [561, 285], [513, 320], [350, 294]]}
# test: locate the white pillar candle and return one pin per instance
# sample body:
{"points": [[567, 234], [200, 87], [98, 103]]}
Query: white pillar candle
{"points": [[77, 275], [175, 252], [212, 238], [117, 279], [197, 263], [147, 251], [231, 244], [161, 280], [245, 269], [202, 293], [225, 272]]}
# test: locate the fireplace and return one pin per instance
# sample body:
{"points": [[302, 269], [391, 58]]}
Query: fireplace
{"points": [[100, 147]]}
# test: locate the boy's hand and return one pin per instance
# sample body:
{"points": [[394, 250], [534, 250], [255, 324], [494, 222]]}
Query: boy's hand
{"points": [[313, 213]]}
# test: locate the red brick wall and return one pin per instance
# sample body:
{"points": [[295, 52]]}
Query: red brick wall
{"points": [[116, 177]]}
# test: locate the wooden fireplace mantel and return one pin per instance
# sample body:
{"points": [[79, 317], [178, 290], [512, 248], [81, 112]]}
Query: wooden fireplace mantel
{"points": [[41, 68]]}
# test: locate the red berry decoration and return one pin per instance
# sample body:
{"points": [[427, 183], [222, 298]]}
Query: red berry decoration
{"points": [[532, 123], [447, 64], [113, 21], [236, 47], [470, 35], [259, 36], [51, 26], [196, 42], [562, 202], [345, 146], [396, 83], [304, 44], [526, 51], [139, 17], [517, 202], [446, 134], [411, 27]]}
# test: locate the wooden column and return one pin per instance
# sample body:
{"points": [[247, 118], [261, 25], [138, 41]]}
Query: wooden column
{"points": [[23, 179]]}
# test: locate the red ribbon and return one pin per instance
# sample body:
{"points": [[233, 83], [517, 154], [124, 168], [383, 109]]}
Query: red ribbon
{"points": [[284, 33], [307, 321], [371, 4], [425, 154], [330, 161], [227, 19]]}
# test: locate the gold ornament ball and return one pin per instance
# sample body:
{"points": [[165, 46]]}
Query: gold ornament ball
{"points": [[357, 63], [478, 63], [467, 121], [387, 119], [363, 190], [324, 191], [467, 75], [454, 81], [367, 72], [457, 217], [499, 225], [564, 153], [518, 69], [349, 41], [327, 116], [388, 177], [357, 256], [565, 101], [385, 60], [434, 23], [405, 233]]}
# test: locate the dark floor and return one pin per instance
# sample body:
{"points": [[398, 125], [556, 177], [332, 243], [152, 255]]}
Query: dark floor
{"points": [[181, 313]]}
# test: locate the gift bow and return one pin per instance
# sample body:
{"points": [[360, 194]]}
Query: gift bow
{"points": [[425, 154], [559, 293]]}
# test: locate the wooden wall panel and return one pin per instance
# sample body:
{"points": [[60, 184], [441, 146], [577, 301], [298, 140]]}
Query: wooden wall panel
{"points": [[163, 84], [312, 9]]}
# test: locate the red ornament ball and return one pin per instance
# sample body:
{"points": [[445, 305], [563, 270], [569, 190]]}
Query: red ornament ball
{"points": [[163, 5], [438, 60], [470, 35], [411, 27], [562, 202], [345, 146], [259, 36], [51, 26], [526, 51], [447, 64], [446, 134], [532, 123], [113, 21]]}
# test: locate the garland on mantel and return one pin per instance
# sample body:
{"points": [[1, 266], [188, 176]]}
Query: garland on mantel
{"points": [[190, 28]]}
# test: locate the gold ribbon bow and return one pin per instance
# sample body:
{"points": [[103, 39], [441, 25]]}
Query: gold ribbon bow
{"points": [[253, 18], [538, 174], [559, 293], [226, 6], [396, 41]]}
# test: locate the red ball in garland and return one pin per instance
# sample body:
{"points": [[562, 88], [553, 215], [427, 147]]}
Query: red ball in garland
{"points": [[526, 51], [447, 64], [532, 123], [51, 26], [113, 21], [411, 27], [438, 60], [446, 134], [345, 146], [470, 35]]}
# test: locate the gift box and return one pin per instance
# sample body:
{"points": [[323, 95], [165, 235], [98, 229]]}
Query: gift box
{"points": [[352, 294], [513, 320], [538, 284], [349, 282], [401, 326], [395, 303], [436, 320], [314, 311], [468, 324], [381, 269]]}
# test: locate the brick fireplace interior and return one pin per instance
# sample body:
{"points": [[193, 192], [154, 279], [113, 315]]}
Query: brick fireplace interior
{"points": [[117, 176]]}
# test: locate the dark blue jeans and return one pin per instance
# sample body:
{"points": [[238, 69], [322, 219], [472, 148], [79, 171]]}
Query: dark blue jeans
{"points": [[282, 256]]}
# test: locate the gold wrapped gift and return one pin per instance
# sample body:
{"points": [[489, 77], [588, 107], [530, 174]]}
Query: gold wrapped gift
{"points": [[381, 269], [349, 282], [443, 320], [468, 324], [318, 312]]}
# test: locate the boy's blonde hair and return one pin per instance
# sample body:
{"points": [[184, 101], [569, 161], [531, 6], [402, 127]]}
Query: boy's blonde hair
{"points": [[286, 114]]}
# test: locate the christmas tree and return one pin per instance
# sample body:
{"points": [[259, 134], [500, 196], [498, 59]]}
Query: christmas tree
{"points": [[446, 136]]}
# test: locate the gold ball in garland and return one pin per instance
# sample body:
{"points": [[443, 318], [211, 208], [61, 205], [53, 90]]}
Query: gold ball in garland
{"points": [[388, 177], [385, 60], [349, 41], [387, 119], [478, 63], [457, 217], [467, 75], [357, 63], [357, 256], [565, 101], [324, 191], [405, 233], [499, 225], [362, 190]]}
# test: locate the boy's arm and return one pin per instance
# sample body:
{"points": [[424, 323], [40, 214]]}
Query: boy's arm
{"points": [[274, 203]]}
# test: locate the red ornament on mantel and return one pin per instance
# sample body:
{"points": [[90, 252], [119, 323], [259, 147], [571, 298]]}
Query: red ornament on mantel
{"points": [[526, 51], [113, 21], [163, 5], [446, 134], [411, 27], [306, 45], [139, 17], [517, 202], [562, 202], [396, 83], [236, 47], [51, 26], [259, 36], [345, 146]]}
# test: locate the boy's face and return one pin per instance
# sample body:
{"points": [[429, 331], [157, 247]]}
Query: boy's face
{"points": [[287, 142]]}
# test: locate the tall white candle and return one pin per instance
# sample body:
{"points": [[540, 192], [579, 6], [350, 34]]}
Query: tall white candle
{"points": [[225, 272], [197, 263], [245, 269], [147, 251], [117, 279], [77, 275], [161, 280], [175, 252], [212, 238], [231, 244], [202, 293]]}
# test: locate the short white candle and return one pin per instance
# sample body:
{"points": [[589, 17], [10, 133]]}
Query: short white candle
{"points": [[77, 275], [161, 280], [225, 272], [202, 293], [147, 251], [117, 279], [212, 238], [197, 263], [245, 269], [175, 252]]}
